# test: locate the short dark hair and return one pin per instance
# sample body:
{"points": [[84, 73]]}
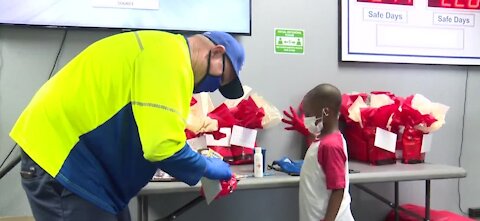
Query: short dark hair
{"points": [[326, 95]]}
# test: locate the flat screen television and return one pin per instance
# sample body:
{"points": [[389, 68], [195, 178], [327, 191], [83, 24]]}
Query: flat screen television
{"points": [[231, 16], [411, 31]]}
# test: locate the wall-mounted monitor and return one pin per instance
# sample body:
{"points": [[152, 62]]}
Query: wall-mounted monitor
{"points": [[186, 15], [411, 31]]}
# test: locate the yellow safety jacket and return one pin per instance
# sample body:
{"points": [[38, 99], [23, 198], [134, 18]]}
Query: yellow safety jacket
{"points": [[98, 125]]}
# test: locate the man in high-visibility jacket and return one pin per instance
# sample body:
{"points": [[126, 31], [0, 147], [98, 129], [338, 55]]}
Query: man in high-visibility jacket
{"points": [[95, 133]]}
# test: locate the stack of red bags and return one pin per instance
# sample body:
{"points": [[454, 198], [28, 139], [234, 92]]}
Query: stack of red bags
{"points": [[368, 116], [236, 125], [245, 117], [379, 123]]}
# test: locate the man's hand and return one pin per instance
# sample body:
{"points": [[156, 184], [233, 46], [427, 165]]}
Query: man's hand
{"points": [[295, 120], [216, 169]]}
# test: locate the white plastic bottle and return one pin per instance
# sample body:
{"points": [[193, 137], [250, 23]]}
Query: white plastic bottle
{"points": [[258, 162]]}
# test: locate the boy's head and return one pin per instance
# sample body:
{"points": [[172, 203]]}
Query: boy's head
{"points": [[321, 106]]}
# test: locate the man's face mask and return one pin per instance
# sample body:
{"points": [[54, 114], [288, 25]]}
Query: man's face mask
{"points": [[313, 128], [210, 83]]}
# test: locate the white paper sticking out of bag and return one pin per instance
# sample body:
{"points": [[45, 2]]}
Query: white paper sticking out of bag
{"points": [[244, 137], [439, 111], [211, 188], [204, 102], [198, 143], [272, 115], [426, 143], [385, 140], [354, 110], [422, 104], [224, 142], [379, 100]]}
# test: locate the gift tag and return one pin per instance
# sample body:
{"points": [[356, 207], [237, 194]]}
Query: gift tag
{"points": [[198, 143], [385, 140], [224, 142], [426, 143], [243, 137], [211, 188]]}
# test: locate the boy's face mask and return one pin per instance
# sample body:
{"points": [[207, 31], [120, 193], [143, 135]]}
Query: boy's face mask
{"points": [[313, 128]]}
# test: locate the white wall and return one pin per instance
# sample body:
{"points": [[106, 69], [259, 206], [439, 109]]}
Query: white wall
{"points": [[28, 56], [471, 149]]}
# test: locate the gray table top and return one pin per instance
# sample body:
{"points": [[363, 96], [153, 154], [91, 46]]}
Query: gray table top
{"points": [[367, 174]]}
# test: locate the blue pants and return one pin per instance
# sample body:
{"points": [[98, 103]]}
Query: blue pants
{"points": [[50, 201]]}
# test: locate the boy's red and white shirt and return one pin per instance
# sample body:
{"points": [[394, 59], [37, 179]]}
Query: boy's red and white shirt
{"points": [[325, 168]]}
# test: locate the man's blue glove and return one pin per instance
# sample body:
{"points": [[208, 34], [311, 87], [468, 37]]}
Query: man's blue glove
{"points": [[189, 166], [216, 169]]}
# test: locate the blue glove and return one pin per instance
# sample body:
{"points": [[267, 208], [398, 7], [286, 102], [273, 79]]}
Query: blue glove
{"points": [[216, 169], [288, 166]]}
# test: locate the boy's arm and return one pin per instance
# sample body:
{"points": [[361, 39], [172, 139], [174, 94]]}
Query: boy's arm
{"points": [[334, 204]]}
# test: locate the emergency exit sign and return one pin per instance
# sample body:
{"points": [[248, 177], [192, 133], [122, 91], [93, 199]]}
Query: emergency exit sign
{"points": [[289, 41]]}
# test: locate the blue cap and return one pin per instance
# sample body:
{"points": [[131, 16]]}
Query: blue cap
{"points": [[236, 55]]}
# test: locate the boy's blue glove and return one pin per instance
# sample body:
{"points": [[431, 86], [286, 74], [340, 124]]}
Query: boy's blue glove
{"points": [[216, 169], [288, 166]]}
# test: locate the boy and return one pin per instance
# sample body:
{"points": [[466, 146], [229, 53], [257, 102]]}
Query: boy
{"points": [[324, 181]]}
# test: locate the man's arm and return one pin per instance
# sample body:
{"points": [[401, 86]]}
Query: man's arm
{"points": [[162, 86], [161, 92], [189, 166]]}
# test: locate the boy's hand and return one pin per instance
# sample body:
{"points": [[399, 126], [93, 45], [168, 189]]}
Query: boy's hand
{"points": [[295, 120]]}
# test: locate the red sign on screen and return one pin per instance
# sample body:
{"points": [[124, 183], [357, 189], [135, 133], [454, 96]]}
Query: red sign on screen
{"points": [[464, 4], [395, 2]]}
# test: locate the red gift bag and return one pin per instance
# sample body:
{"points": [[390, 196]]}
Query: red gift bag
{"points": [[347, 101], [373, 118], [247, 115], [241, 155], [225, 119], [356, 143], [223, 115], [352, 131], [435, 215], [228, 186], [412, 138], [412, 146], [377, 156]]}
